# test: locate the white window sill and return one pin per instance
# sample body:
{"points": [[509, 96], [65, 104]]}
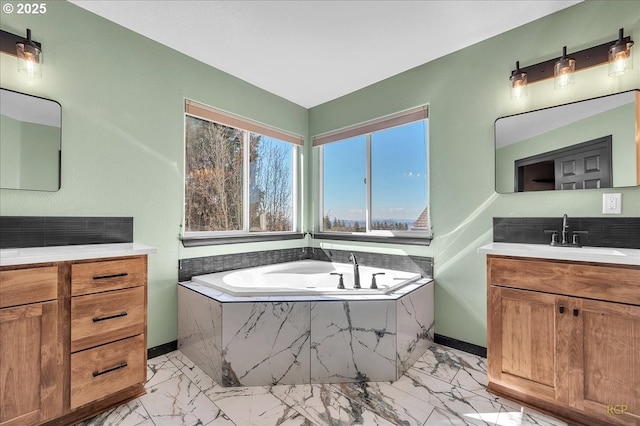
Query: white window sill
{"points": [[388, 239], [208, 240]]}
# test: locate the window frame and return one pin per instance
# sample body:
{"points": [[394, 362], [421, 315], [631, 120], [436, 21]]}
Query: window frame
{"points": [[214, 115], [366, 129]]}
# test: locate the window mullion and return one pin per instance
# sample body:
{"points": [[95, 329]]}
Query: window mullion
{"points": [[320, 197], [246, 208], [296, 195], [368, 185]]}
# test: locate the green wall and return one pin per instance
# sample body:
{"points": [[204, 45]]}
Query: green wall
{"points": [[122, 98], [466, 92], [122, 101]]}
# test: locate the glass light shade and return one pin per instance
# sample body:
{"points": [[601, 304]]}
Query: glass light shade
{"points": [[563, 72], [620, 59], [29, 60], [518, 83]]}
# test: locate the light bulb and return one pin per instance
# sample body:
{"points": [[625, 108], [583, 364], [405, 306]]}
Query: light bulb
{"points": [[620, 56], [518, 81], [619, 62], [563, 70], [29, 60]]}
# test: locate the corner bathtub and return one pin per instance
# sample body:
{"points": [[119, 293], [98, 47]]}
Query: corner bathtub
{"points": [[305, 278], [289, 324]]}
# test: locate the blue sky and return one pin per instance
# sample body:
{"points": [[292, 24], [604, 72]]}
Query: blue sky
{"points": [[399, 165]]}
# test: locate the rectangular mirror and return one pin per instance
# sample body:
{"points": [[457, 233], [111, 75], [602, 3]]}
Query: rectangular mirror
{"points": [[30, 140], [582, 145]]}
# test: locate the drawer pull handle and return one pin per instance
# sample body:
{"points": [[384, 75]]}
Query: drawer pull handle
{"points": [[106, 277], [109, 370], [98, 319], [576, 311], [561, 309]]}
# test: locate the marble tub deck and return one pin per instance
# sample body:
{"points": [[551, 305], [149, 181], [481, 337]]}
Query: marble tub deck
{"points": [[444, 387]]}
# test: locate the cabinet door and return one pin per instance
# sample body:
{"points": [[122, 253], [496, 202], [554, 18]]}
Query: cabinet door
{"points": [[523, 353], [30, 366], [607, 375]]}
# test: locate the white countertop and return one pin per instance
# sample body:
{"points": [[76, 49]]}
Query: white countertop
{"points": [[22, 256], [582, 254]]}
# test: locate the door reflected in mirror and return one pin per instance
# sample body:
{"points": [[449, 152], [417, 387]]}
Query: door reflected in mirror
{"points": [[582, 145], [30, 142]]}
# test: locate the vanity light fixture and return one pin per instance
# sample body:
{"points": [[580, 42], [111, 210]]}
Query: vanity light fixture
{"points": [[28, 52], [518, 81], [617, 53], [620, 55], [563, 70]]}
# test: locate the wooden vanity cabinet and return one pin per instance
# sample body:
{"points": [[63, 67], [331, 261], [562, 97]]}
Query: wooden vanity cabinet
{"points": [[606, 372], [523, 347], [31, 348], [108, 326], [565, 337], [72, 339]]}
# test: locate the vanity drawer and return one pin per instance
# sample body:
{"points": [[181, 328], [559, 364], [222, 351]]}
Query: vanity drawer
{"points": [[104, 370], [23, 286], [94, 277], [607, 282], [105, 317]]}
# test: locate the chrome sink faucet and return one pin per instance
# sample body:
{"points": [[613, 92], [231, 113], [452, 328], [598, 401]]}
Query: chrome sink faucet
{"points": [[564, 235], [565, 230], [356, 271]]}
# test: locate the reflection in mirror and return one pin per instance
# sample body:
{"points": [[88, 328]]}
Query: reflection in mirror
{"points": [[582, 145], [30, 136]]}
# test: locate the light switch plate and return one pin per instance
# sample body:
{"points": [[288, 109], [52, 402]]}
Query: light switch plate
{"points": [[611, 203]]}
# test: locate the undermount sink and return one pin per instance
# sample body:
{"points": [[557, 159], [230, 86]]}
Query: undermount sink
{"points": [[580, 254], [603, 251]]}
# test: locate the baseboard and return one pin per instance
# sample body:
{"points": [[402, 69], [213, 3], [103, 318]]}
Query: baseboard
{"points": [[459, 344], [165, 348]]}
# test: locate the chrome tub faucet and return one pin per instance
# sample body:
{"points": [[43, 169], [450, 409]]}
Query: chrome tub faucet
{"points": [[356, 271]]}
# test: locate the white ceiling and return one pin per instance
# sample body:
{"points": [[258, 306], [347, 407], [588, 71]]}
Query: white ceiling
{"points": [[310, 52]]}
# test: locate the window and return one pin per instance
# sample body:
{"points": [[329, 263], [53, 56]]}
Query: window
{"points": [[374, 177], [240, 176]]}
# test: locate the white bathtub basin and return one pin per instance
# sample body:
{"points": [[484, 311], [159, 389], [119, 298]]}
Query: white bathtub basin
{"points": [[304, 278]]}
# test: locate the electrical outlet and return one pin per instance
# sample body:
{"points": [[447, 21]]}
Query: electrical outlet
{"points": [[611, 203]]}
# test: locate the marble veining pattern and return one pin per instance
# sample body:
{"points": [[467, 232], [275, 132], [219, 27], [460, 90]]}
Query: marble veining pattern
{"points": [[415, 325], [200, 331], [265, 343], [254, 343], [353, 342], [444, 387]]}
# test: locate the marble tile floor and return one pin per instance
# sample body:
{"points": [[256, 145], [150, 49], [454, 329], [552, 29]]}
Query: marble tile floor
{"points": [[444, 387]]}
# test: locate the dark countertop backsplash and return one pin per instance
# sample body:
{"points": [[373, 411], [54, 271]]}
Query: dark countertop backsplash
{"points": [[620, 232]]}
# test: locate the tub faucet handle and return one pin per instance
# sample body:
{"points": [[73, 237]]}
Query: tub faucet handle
{"points": [[373, 279], [340, 280]]}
